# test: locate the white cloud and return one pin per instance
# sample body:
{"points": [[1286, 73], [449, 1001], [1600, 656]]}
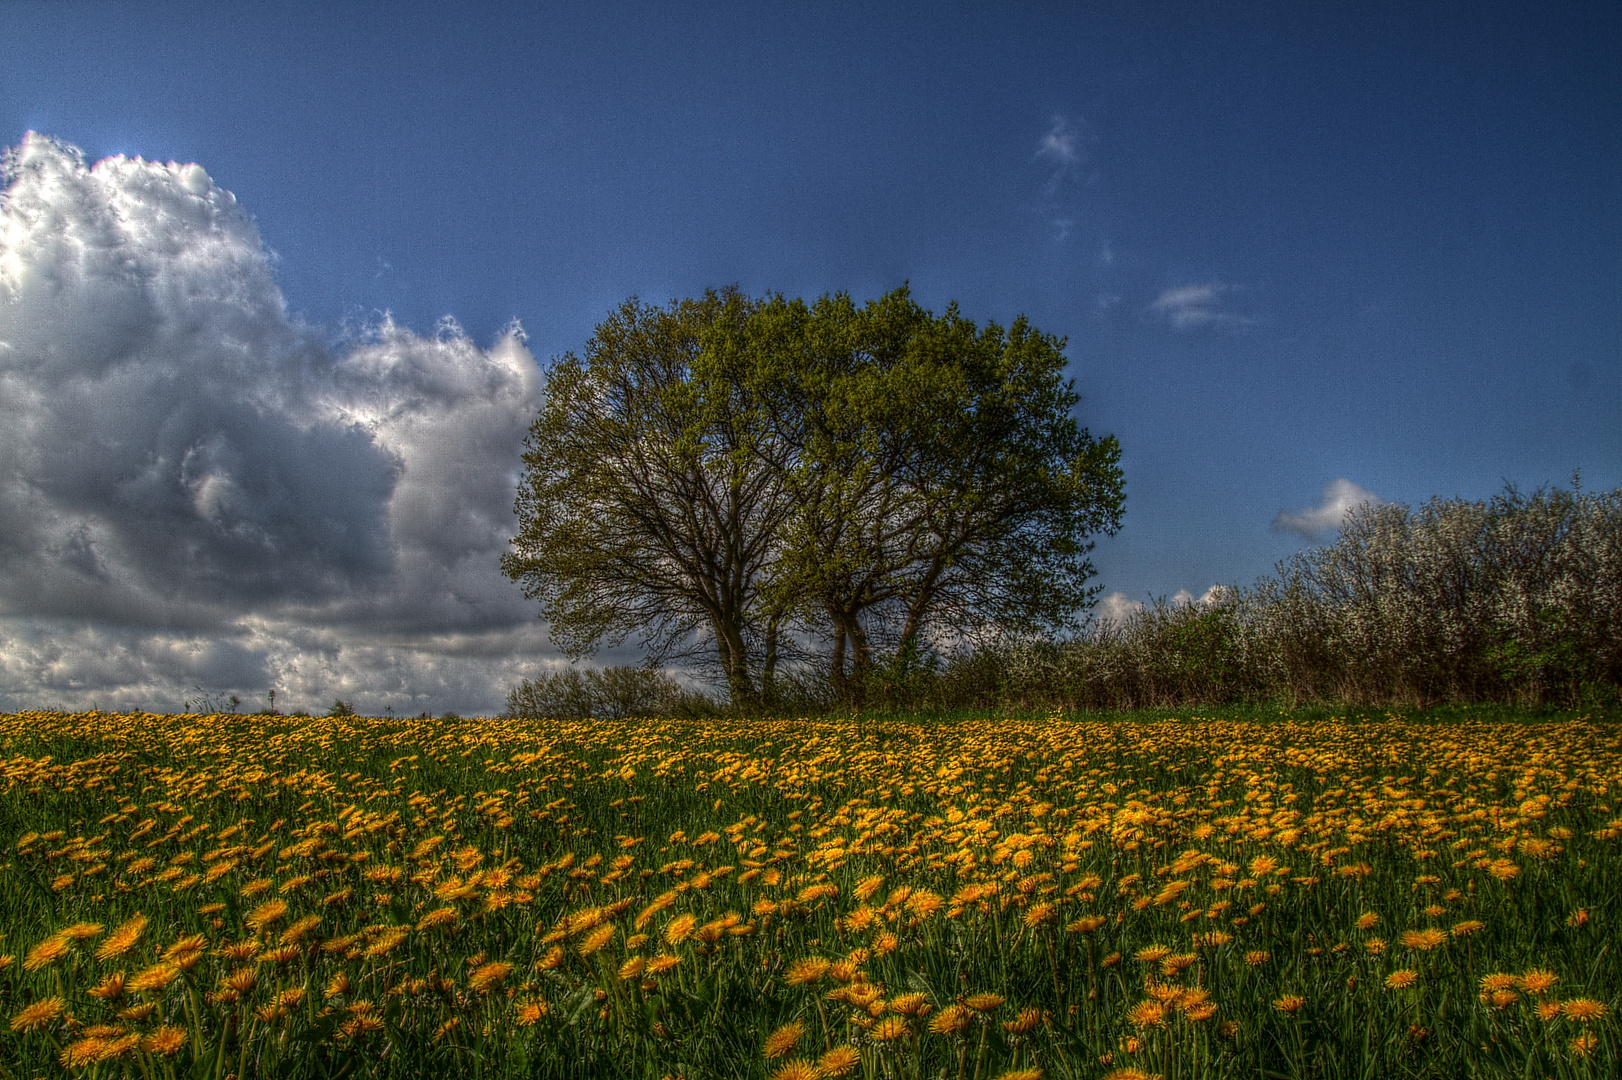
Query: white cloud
{"points": [[1319, 522], [195, 488], [1193, 307], [1116, 609], [1062, 144]]}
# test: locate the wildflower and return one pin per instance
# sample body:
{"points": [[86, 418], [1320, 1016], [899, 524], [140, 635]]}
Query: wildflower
{"points": [[1583, 1010], [839, 1061], [1027, 1019], [81, 931], [110, 988], [83, 1052], [1130, 1074], [1257, 957], [1175, 965], [46, 953], [1086, 924], [1151, 955], [1021, 1074], [487, 977], [950, 1020], [680, 928], [156, 977], [1423, 940], [889, 1029], [166, 1041], [38, 1014], [1491, 983], [632, 968], [662, 963], [808, 970], [1466, 928], [1537, 981], [443, 916], [1367, 920], [798, 1069], [1289, 1003], [1549, 1011], [1401, 979], [1147, 1013], [784, 1039], [530, 1012], [1584, 1044], [984, 1002], [336, 985], [265, 914]]}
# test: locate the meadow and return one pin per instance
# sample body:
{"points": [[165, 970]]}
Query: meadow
{"points": [[1247, 894]]}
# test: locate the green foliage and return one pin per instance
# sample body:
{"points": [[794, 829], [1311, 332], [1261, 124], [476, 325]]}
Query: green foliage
{"points": [[790, 485], [609, 693]]}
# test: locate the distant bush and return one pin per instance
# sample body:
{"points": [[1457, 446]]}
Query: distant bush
{"points": [[1517, 599], [609, 693]]}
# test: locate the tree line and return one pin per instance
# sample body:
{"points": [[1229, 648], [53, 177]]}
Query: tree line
{"points": [[782, 491]]}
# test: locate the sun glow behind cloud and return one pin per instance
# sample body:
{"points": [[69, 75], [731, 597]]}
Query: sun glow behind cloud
{"points": [[196, 490]]}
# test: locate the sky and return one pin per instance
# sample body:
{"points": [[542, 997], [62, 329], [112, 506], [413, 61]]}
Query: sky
{"points": [[278, 284]]}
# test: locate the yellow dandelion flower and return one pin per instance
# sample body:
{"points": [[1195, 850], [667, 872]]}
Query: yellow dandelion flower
{"points": [[1584, 1044], [156, 977], [1086, 924], [889, 1029], [271, 911], [868, 887], [1174, 965], [1130, 1074], [1401, 979], [38, 1014], [487, 977], [984, 1002], [1584, 1010], [1468, 927], [808, 970], [1289, 1003], [909, 1004], [1032, 1073], [680, 928], [950, 1020], [165, 1041], [1147, 1013], [338, 984], [530, 1012], [46, 952], [1490, 983], [662, 963], [242, 980], [1151, 955], [783, 1040], [839, 1061], [1537, 981], [1549, 1011], [798, 1069], [1027, 1019], [83, 931], [1367, 920], [1423, 940], [595, 940], [632, 968], [110, 988], [83, 1052], [443, 916]]}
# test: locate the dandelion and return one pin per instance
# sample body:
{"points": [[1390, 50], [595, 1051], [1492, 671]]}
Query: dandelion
{"points": [[1401, 979], [950, 1020], [680, 928], [1289, 1003], [46, 953], [783, 1040], [1027, 1019], [1147, 1013], [166, 1041], [443, 916], [82, 931], [1257, 957], [808, 970], [1151, 955], [1085, 925], [1021, 1074], [1466, 928], [798, 1069], [889, 1029], [1537, 981], [271, 911], [530, 1013], [984, 1002], [595, 940], [154, 978], [1423, 940], [336, 985], [839, 1061], [38, 1014], [487, 977], [1584, 1010], [1367, 920]]}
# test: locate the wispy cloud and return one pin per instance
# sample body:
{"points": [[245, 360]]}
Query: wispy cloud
{"points": [[1194, 307], [1320, 521], [195, 488], [1063, 144]]}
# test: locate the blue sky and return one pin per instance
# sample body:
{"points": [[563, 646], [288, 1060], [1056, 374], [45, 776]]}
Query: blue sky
{"points": [[1289, 245]]}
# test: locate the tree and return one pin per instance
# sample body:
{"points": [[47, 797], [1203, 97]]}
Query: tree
{"points": [[649, 504], [755, 474], [941, 486]]}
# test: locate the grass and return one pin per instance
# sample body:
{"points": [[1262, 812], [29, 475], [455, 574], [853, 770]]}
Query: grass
{"points": [[1241, 892]]}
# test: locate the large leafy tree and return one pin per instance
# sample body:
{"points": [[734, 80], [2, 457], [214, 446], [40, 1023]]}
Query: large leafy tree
{"points": [[940, 483], [649, 504], [764, 472]]}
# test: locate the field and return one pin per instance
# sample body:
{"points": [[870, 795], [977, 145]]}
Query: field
{"points": [[996, 897]]}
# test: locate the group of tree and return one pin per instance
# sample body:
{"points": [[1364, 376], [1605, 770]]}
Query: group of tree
{"points": [[782, 490]]}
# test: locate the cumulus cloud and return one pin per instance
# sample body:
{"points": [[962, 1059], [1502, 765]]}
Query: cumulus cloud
{"points": [[193, 483], [1194, 307], [1116, 609], [1318, 522]]}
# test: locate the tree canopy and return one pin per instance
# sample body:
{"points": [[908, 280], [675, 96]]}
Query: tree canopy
{"points": [[753, 480]]}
